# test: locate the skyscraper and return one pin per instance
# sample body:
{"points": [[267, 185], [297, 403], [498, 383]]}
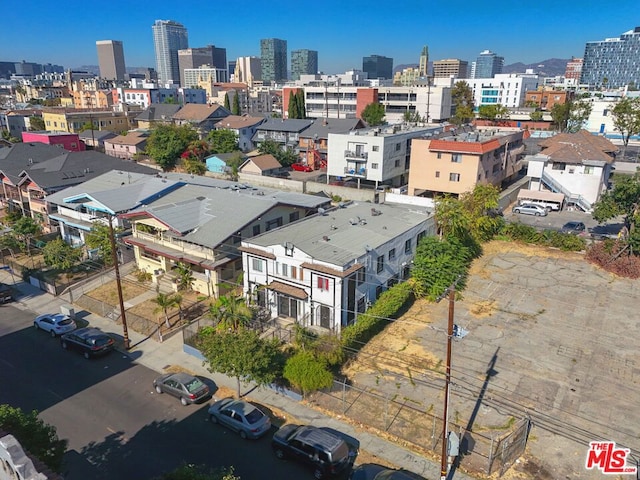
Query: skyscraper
{"points": [[487, 65], [613, 62], [248, 70], [423, 68], [111, 59], [196, 57], [450, 67], [378, 66], [168, 38], [303, 62], [273, 56]]}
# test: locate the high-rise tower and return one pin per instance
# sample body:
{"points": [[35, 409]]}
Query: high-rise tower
{"points": [[303, 62], [168, 38], [111, 59], [487, 65], [273, 57], [423, 68]]}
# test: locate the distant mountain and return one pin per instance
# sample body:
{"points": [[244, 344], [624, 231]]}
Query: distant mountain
{"points": [[549, 68]]}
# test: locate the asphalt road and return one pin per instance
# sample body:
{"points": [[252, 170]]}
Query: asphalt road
{"points": [[555, 221], [116, 425]]}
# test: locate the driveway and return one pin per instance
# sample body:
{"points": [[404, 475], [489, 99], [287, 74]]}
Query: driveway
{"points": [[548, 337]]}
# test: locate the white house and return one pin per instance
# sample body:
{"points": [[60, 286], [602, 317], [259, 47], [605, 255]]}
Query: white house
{"points": [[244, 127], [324, 270]]}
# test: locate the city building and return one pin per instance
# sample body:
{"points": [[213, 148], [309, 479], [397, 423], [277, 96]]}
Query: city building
{"points": [[455, 163], [574, 69], [314, 141], [248, 70], [423, 66], [285, 132], [244, 127], [378, 66], [201, 117], [73, 120], [111, 59], [487, 65], [17, 121], [127, 146], [303, 62], [168, 38], [612, 62], [157, 113], [211, 56], [273, 59], [323, 271], [203, 75], [545, 98], [409, 76], [69, 141], [450, 67], [101, 99], [506, 89]]}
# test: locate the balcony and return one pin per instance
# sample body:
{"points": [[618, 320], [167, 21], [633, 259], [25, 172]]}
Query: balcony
{"points": [[355, 172], [357, 156]]}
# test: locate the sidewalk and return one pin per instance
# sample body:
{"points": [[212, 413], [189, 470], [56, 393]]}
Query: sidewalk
{"points": [[157, 356]]}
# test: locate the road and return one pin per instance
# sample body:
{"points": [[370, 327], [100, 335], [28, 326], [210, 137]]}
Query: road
{"points": [[116, 425], [555, 221]]}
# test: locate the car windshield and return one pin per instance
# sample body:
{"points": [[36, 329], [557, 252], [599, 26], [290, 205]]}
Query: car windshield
{"points": [[66, 321], [193, 385], [100, 341], [254, 416]]}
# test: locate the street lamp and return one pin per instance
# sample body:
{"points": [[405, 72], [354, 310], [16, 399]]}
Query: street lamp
{"points": [[114, 257]]}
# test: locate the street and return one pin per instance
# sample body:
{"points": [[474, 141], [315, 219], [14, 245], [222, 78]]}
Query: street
{"points": [[116, 425]]}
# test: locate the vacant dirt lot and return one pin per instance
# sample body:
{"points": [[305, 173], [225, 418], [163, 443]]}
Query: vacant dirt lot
{"points": [[550, 336]]}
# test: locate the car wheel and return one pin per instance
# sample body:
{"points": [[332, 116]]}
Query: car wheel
{"points": [[158, 389], [86, 355], [243, 434], [213, 418], [64, 345], [52, 333], [183, 401], [318, 474], [35, 324], [537, 214], [279, 453], [517, 210]]}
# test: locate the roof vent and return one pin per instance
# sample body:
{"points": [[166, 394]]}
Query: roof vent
{"points": [[354, 221], [325, 238], [322, 211], [333, 227], [200, 198], [375, 213]]}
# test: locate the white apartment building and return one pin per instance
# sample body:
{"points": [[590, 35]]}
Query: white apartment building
{"points": [[204, 73], [506, 89]]}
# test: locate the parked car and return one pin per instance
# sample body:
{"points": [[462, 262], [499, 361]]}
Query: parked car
{"points": [[530, 209], [186, 387], [575, 228], [241, 417], [325, 452], [91, 342], [548, 206], [301, 167], [372, 471], [54, 323], [6, 293]]}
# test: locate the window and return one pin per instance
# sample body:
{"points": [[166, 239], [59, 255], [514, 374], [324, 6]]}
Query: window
{"points": [[398, 147], [407, 246], [454, 177], [257, 265], [323, 284], [284, 269], [380, 265], [374, 166], [437, 174], [362, 276], [293, 216], [294, 272], [589, 170], [378, 291], [421, 235], [397, 163], [375, 148], [392, 254], [256, 230], [276, 222], [456, 158], [439, 155]]}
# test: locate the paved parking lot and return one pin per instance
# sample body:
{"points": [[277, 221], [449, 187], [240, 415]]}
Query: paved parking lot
{"points": [[555, 220]]}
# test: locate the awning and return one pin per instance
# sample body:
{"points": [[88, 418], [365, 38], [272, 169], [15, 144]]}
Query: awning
{"points": [[540, 195], [289, 290]]}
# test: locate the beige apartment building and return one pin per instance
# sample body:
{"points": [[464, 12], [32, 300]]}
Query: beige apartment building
{"points": [[73, 120], [454, 164]]}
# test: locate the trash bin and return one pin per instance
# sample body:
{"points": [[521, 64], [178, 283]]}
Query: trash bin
{"points": [[68, 310]]}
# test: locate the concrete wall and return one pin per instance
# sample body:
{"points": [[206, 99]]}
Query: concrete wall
{"points": [[347, 193], [272, 182], [626, 167]]}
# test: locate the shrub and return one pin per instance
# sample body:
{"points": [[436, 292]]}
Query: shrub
{"points": [[610, 256], [142, 275], [306, 372]]}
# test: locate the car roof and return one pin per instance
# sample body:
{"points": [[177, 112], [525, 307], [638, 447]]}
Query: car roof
{"points": [[182, 377], [318, 437], [89, 332]]}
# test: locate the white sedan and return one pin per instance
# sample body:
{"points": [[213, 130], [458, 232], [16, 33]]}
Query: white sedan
{"points": [[54, 323]]}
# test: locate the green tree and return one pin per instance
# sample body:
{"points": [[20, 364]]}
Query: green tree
{"points": [[164, 302], [193, 166], [373, 114], [233, 165], [223, 141], [36, 123], [39, 438], [171, 101], [626, 117], [231, 312], [199, 472], [493, 113], [411, 117], [167, 142], [293, 109], [536, 116], [235, 108], [461, 103], [26, 228], [87, 126], [60, 255], [242, 355], [185, 276], [227, 105], [307, 372], [302, 109], [571, 115], [9, 242], [98, 238], [197, 149], [285, 157]]}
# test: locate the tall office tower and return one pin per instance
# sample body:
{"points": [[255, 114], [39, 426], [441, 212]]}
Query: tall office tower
{"points": [[168, 38], [111, 59], [615, 59], [248, 70], [232, 70], [487, 65], [196, 57], [303, 62], [273, 56], [423, 67], [377, 66], [450, 67]]}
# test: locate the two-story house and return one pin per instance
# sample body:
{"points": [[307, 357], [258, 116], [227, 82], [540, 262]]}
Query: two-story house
{"points": [[157, 113], [285, 132], [314, 141], [244, 127], [577, 165], [203, 226], [201, 117], [455, 162], [127, 146], [324, 270]]}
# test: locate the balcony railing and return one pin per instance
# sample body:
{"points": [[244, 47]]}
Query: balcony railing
{"points": [[356, 155], [356, 172]]}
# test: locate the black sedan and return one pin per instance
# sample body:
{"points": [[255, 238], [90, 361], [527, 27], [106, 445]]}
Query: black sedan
{"points": [[575, 228], [186, 387]]}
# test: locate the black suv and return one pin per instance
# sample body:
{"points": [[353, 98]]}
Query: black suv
{"points": [[325, 452], [90, 342], [6, 293]]}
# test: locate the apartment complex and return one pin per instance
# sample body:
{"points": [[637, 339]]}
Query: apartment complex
{"points": [[450, 67], [378, 66], [303, 62], [193, 58], [273, 56], [487, 65], [168, 38], [507, 89], [545, 98], [612, 62], [203, 75], [73, 120], [111, 59], [574, 69]]}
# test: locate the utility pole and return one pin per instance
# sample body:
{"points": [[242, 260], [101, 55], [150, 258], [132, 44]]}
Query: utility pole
{"points": [[114, 257]]}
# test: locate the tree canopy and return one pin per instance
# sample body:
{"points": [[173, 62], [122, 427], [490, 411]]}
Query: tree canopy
{"points": [[222, 141], [167, 142], [285, 157], [59, 254], [98, 238], [493, 112], [231, 311], [36, 123], [461, 103], [373, 114], [570, 116], [626, 117], [235, 108], [296, 107], [307, 372], [26, 228]]}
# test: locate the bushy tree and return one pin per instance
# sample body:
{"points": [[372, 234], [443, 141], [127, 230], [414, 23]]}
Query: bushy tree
{"points": [[99, 238], [493, 113], [231, 312], [223, 141], [34, 435], [373, 114], [570, 116], [167, 142], [193, 166], [60, 255], [293, 106], [626, 117], [285, 157], [307, 372], [26, 228], [461, 103], [227, 104], [536, 116], [235, 108], [36, 123]]}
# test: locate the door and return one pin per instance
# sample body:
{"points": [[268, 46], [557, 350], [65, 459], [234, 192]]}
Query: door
{"points": [[324, 313]]}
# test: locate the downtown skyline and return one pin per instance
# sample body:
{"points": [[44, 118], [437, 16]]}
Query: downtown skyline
{"points": [[342, 33]]}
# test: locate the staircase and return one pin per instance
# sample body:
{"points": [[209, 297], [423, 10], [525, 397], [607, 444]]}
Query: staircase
{"points": [[570, 197]]}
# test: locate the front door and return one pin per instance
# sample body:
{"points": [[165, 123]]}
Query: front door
{"points": [[287, 307]]}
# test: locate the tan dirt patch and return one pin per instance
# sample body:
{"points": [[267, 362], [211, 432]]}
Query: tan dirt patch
{"points": [[108, 292]]}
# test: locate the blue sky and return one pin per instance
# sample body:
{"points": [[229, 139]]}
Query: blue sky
{"points": [[342, 31]]}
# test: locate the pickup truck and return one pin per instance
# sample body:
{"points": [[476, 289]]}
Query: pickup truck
{"points": [[6, 293]]}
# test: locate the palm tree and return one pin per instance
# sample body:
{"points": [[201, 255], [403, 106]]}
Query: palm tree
{"points": [[185, 276], [164, 302], [178, 300], [231, 311]]}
